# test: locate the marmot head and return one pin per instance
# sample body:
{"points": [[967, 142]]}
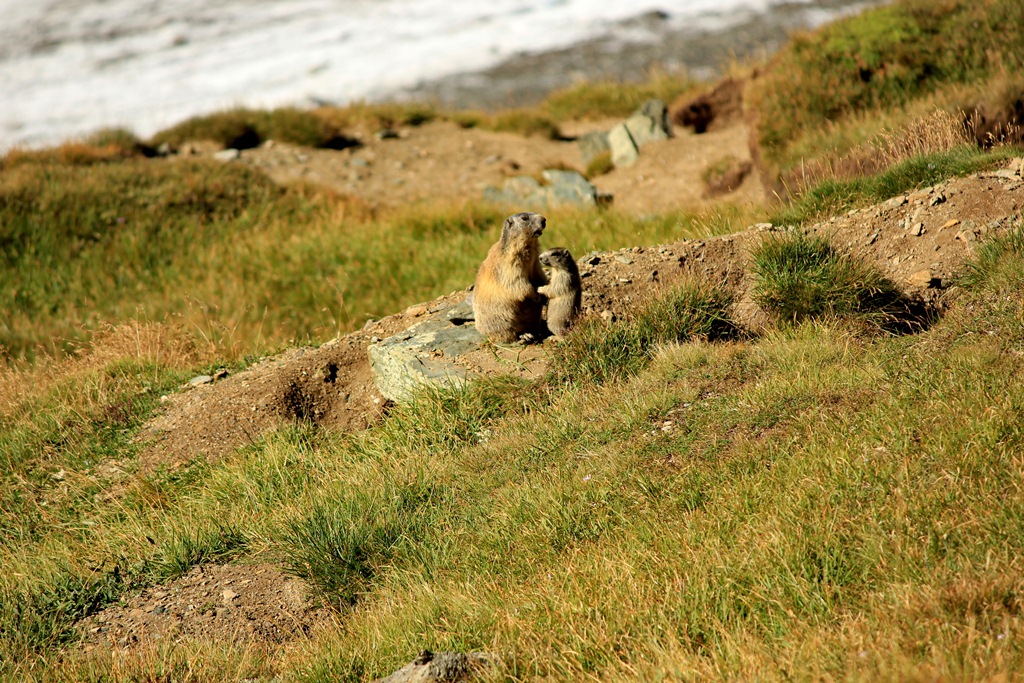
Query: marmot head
{"points": [[522, 225], [559, 258]]}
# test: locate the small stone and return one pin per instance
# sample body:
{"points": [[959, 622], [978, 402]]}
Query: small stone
{"points": [[966, 236], [897, 201], [621, 258], [199, 380], [917, 229], [227, 595], [937, 199], [229, 154], [950, 223], [607, 316], [922, 278]]}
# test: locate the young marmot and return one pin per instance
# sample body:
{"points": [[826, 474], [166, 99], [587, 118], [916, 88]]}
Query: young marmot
{"points": [[564, 292], [506, 303]]}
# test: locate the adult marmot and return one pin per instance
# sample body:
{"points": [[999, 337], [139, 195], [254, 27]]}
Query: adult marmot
{"points": [[564, 292], [506, 303]]}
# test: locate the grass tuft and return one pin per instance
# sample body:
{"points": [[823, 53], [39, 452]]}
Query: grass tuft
{"points": [[246, 128], [346, 540], [995, 261], [597, 351], [799, 277]]}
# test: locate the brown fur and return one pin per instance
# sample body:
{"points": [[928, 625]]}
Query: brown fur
{"points": [[506, 303], [564, 292]]}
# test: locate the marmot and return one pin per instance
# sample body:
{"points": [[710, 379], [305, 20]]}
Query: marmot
{"points": [[506, 303], [565, 291]]}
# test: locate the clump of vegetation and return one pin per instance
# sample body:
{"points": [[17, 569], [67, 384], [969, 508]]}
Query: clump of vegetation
{"points": [[880, 59], [833, 194], [610, 99], [246, 128], [799, 277], [599, 165], [993, 263], [378, 116], [599, 351], [344, 542]]}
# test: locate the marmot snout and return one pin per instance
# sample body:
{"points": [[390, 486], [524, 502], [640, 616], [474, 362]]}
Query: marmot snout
{"points": [[506, 303], [564, 292]]}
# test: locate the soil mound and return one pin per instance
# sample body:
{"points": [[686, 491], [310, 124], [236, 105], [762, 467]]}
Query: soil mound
{"points": [[221, 603]]}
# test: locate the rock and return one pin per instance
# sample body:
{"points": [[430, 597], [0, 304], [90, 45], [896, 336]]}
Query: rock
{"points": [[442, 667], [937, 199], [649, 123], [624, 149], [425, 353], [922, 278], [199, 380], [228, 595], [967, 236], [593, 145], [622, 258], [229, 154], [560, 188], [916, 229], [569, 187], [897, 202]]}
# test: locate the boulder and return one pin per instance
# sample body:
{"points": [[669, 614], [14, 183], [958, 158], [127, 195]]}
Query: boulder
{"points": [[624, 149], [593, 145], [426, 353], [559, 188]]}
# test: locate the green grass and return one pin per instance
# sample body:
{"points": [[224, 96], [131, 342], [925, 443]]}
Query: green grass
{"points": [[609, 99], [798, 277], [241, 262], [598, 351], [831, 197], [882, 59], [246, 128], [709, 512]]}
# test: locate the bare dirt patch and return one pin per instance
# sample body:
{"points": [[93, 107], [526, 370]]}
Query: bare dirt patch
{"points": [[220, 603]]}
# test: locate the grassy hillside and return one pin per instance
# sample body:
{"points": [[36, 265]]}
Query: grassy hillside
{"points": [[803, 504], [838, 87], [673, 501]]}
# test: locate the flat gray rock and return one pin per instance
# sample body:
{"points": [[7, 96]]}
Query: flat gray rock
{"points": [[426, 353], [560, 188]]}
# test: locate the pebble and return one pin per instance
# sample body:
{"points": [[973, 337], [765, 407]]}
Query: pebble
{"points": [[229, 154], [624, 259], [199, 380], [917, 229]]}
